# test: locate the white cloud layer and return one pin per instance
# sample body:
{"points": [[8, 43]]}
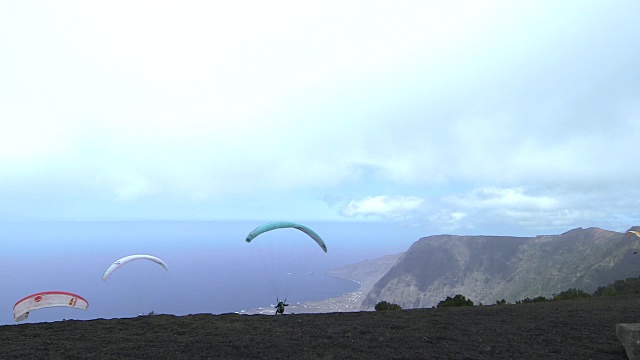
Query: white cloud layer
{"points": [[485, 116], [506, 211]]}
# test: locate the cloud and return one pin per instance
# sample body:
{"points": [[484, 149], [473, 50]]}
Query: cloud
{"points": [[132, 188], [529, 210], [508, 198], [382, 206], [202, 105], [446, 220], [505, 211], [475, 210]]}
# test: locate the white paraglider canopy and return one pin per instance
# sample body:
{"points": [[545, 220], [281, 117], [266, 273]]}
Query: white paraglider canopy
{"points": [[118, 263]]}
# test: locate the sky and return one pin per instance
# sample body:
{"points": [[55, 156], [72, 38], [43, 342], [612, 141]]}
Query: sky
{"points": [[464, 117]]}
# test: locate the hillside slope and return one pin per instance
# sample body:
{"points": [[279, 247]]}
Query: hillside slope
{"points": [[570, 329], [489, 268]]}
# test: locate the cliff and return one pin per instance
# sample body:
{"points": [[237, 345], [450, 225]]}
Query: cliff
{"points": [[489, 268]]}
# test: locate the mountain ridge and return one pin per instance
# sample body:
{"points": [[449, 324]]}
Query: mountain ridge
{"points": [[490, 268]]}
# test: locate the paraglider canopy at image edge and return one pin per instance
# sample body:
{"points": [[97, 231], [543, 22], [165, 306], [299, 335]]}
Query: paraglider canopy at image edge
{"points": [[47, 299]]}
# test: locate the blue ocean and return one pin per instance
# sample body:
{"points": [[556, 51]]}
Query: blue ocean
{"points": [[211, 267]]}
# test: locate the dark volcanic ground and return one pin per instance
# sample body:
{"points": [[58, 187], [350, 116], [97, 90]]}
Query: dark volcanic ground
{"points": [[570, 329]]}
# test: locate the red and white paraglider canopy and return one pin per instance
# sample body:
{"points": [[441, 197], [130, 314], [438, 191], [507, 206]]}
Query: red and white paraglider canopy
{"points": [[47, 299]]}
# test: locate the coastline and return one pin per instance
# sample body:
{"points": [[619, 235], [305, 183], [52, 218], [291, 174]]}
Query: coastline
{"points": [[365, 273], [348, 302]]}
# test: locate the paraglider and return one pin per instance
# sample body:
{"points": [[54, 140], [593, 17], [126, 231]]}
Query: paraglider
{"points": [[280, 307], [118, 263], [636, 233], [286, 224], [47, 299], [285, 257]]}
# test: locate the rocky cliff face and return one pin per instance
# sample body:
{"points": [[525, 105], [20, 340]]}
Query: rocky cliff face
{"points": [[489, 268]]}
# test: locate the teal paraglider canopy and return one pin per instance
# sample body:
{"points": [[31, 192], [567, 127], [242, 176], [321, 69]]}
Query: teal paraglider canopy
{"points": [[286, 224]]}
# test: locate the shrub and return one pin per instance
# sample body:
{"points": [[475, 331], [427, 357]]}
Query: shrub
{"points": [[571, 294], [534, 300], [620, 287], [458, 300], [383, 306]]}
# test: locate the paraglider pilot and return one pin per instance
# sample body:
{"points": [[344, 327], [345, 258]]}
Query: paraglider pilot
{"points": [[280, 306]]}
